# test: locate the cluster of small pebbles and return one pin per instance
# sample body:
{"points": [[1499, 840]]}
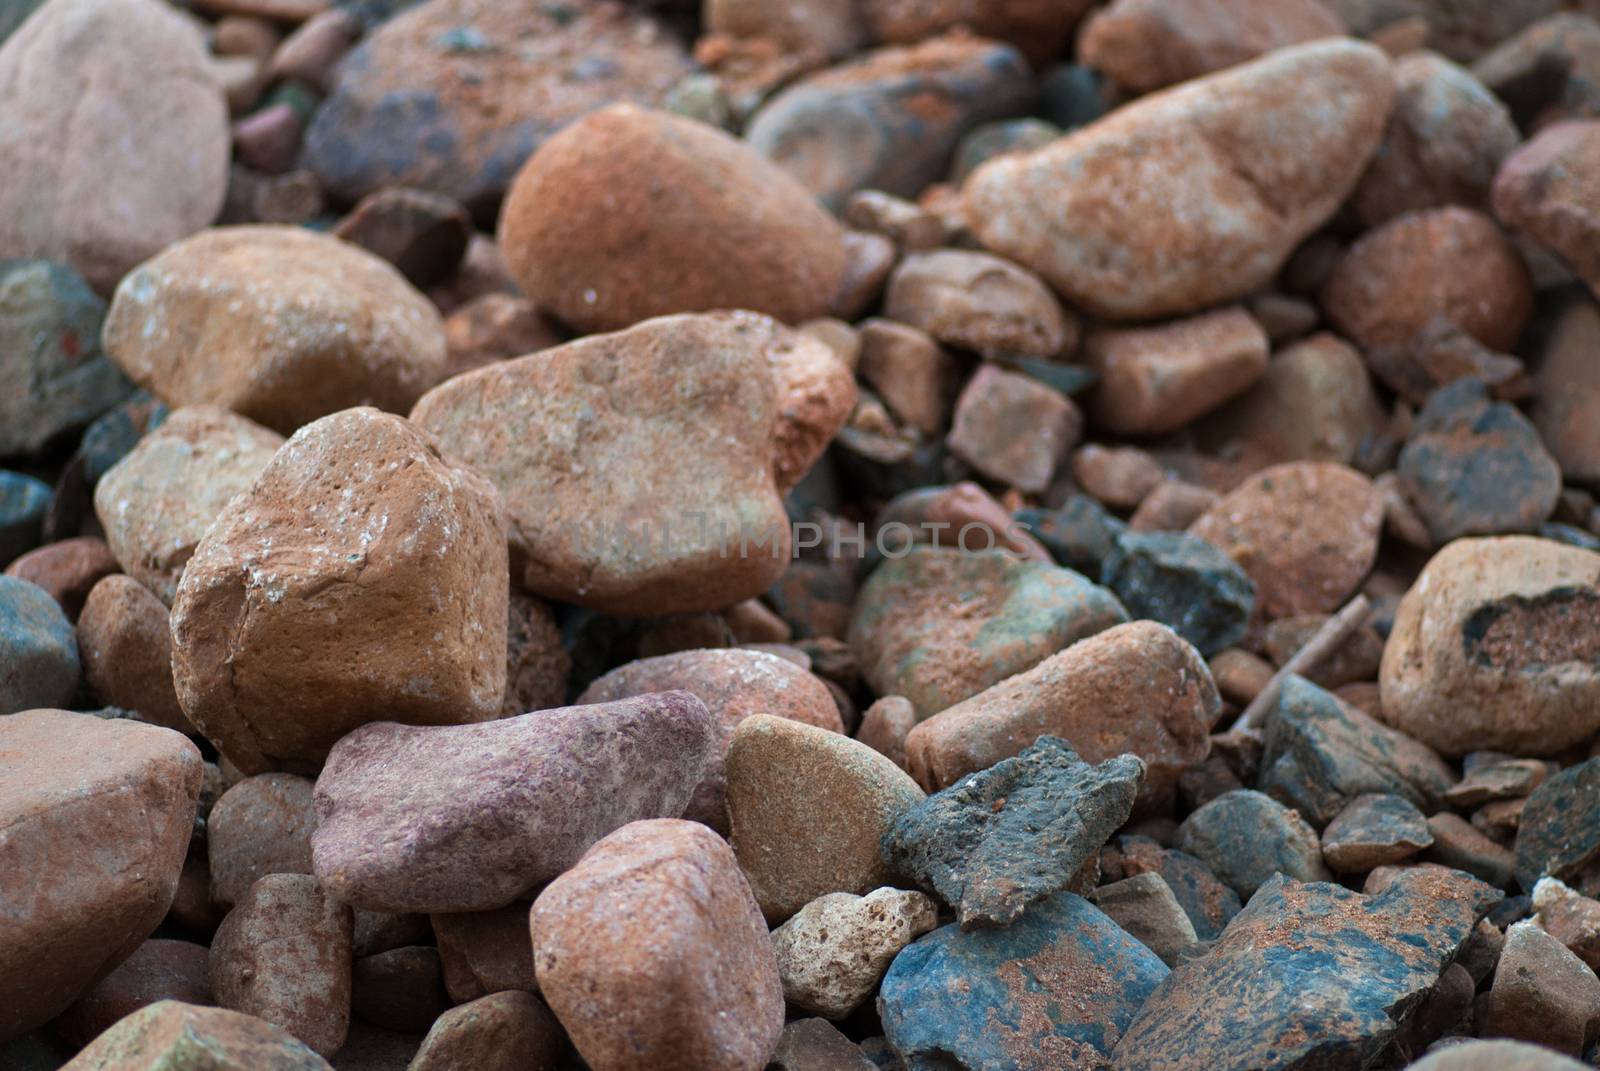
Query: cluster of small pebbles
{"points": [[799, 535]]}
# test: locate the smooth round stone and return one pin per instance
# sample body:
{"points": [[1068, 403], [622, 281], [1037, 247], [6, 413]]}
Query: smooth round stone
{"points": [[171, 1034], [1544, 190], [510, 1031], [260, 826], [126, 647], [68, 569], [38, 649], [1246, 837], [23, 502], [1183, 582]]}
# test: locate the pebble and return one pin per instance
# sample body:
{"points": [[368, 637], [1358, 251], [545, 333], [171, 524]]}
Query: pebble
{"points": [[261, 825], [39, 661], [992, 406], [97, 812], [450, 818], [1063, 980], [886, 724], [1568, 389], [590, 239], [1496, 779], [67, 570], [652, 952], [1246, 837], [1209, 903], [297, 325], [1135, 689], [1015, 833], [1355, 661], [1492, 647], [423, 234], [158, 500], [1145, 906], [833, 952], [23, 504], [978, 302], [169, 1034], [1037, 30], [1569, 917], [1372, 831], [1560, 832], [939, 625], [273, 583], [508, 1031], [783, 777], [451, 96], [159, 969], [1543, 993], [131, 81], [484, 952], [1168, 206], [495, 327], [1543, 191], [400, 989], [1172, 506], [126, 649], [1119, 476], [1305, 532], [1183, 582], [1459, 844]]}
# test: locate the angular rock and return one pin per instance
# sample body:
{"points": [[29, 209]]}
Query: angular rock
{"points": [[508, 1031], [1015, 833], [913, 374], [172, 1034], [1559, 834], [1543, 993], [832, 953], [978, 302], [423, 234], [815, 1045], [1183, 582], [126, 649], [485, 951], [469, 817], [993, 408], [1374, 830], [260, 826], [1458, 844], [1209, 903], [1145, 906], [1569, 917], [1246, 838], [1545, 190], [39, 664]]}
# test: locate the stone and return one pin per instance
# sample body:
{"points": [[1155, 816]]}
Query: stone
{"points": [[422, 234], [1372, 831], [1475, 467], [1209, 903], [277, 323], [485, 952], [886, 724], [847, 128], [1305, 532], [380, 931], [1567, 389], [132, 82], [1559, 835], [1154, 380], [1321, 753], [1355, 661], [1143, 45], [808, 809], [158, 500], [1543, 191], [868, 260], [1469, 1055], [994, 406], [830, 28], [816, 1045], [495, 327], [1056, 989], [157, 970], [696, 395], [1246, 837], [360, 495], [1496, 779], [451, 96], [260, 826], [99, 814], [453, 818], [50, 353], [913, 374], [833, 952], [1006, 837], [510, 1031], [1277, 988], [283, 955], [1543, 993], [1145, 906], [1119, 476], [651, 951], [126, 650], [733, 684], [1569, 917], [1172, 506], [1194, 197], [974, 301], [39, 664], [1100, 696], [401, 989], [1493, 647], [67, 570], [1183, 582], [172, 1034], [537, 666], [310, 51], [23, 505], [1038, 30], [1240, 674], [1457, 843], [910, 226]]}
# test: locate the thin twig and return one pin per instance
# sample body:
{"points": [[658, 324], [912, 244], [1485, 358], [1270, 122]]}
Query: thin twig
{"points": [[1328, 639]]}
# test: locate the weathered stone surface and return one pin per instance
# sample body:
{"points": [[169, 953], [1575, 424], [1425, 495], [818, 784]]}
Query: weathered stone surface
{"points": [[453, 95], [1494, 647], [97, 816], [1545, 190], [537, 665], [1458, 844], [485, 951], [1543, 993], [1374, 830], [1146, 907], [508, 1031], [590, 237], [816, 1045], [1056, 989], [652, 952], [978, 302], [1136, 688], [126, 649], [992, 408], [468, 817], [172, 1035], [278, 323], [157, 502], [1560, 830], [1246, 838], [832, 953], [1193, 197], [1012, 615], [260, 826], [118, 90], [1183, 582], [38, 649], [1276, 989], [158, 970], [1015, 833]]}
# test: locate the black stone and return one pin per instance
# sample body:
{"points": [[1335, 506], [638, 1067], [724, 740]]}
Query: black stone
{"points": [[1183, 582]]}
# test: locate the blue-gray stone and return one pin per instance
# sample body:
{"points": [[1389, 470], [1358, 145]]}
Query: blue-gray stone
{"points": [[1559, 833], [1080, 535], [1209, 903], [23, 501], [1060, 984], [38, 649], [1246, 838], [1183, 582]]}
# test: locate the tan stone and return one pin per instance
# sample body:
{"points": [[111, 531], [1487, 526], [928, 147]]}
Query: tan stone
{"points": [[126, 649], [979, 302]]}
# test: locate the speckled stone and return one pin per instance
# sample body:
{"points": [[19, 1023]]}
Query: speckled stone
{"points": [[171, 1035], [38, 649], [1560, 830], [1246, 838], [1183, 582], [1543, 993], [832, 953], [1374, 830]]}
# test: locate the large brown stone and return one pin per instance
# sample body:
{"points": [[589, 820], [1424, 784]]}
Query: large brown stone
{"points": [[362, 576]]}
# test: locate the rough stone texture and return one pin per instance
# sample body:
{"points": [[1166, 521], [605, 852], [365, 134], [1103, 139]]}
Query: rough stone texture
{"points": [[38, 650], [468, 817], [1568, 393], [632, 213], [1005, 837], [171, 1035], [278, 323], [158, 970], [108, 88], [283, 955], [939, 626], [1495, 647], [1054, 990], [1136, 688], [260, 826], [453, 95], [485, 951], [978, 302], [848, 128], [1569, 917], [1143, 45], [1545, 190], [733, 684], [537, 665], [993, 407], [1560, 831], [808, 810], [1458, 844], [1275, 990], [357, 543], [96, 818], [816, 1045], [1183, 582], [652, 952], [1195, 196], [157, 502], [885, 725], [508, 1031], [1306, 532], [625, 460], [1543, 993], [1374, 830], [1037, 27], [832, 953], [126, 649], [1246, 838], [1146, 907]]}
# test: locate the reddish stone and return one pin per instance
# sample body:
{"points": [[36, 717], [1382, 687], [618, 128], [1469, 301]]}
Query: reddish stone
{"points": [[68, 570], [992, 407], [260, 826], [126, 648]]}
